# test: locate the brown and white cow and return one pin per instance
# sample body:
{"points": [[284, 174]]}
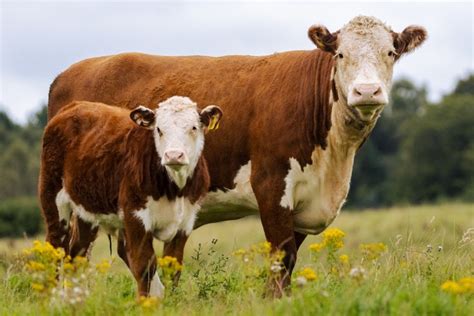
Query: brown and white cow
{"points": [[143, 177], [295, 120]]}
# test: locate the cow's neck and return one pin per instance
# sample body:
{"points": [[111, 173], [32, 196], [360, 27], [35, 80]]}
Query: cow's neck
{"points": [[317, 192]]}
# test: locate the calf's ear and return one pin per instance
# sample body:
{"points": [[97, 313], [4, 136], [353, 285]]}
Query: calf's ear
{"points": [[143, 116], [322, 38], [411, 37], [211, 116]]}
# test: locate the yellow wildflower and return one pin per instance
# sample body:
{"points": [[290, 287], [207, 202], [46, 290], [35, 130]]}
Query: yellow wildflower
{"points": [[373, 251], [316, 247], [239, 252], [452, 287], [262, 248], [68, 266], [148, 302], [333, 238], [169, 265], [468, 284], [35, 266], [37, 287], [103, 266], [308, 274], [344, 259], [80, 262]]}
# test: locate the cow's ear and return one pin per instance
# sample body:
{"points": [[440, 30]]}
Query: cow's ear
{"points": [[411, 37], [143, 116], [211, 116], [322, 38]]}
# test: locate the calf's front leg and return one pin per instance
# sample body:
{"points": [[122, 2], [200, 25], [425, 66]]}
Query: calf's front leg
{"points": [[175, 248], [142, 259]]}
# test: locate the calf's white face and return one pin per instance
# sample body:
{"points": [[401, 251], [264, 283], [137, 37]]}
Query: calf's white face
{"points": [[178, 130], [365, 51]]}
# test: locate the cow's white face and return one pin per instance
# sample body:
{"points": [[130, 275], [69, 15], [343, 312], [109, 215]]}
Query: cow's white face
{"points": [[365, 51], [178, 130]]}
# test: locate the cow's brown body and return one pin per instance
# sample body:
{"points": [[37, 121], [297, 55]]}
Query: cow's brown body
{"points": [[108, 166], [277, 106]]}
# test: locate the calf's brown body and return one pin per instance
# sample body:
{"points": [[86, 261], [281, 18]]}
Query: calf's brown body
{"points": [[107, 165]]}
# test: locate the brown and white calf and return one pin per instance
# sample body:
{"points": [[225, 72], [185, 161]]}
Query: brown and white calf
{"points": [[140, 173], [296, 120]]}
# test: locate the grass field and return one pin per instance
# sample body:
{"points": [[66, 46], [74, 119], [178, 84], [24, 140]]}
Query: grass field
{"points": [[425, 246]]}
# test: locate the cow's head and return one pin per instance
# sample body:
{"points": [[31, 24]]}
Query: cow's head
{"points": [[178, 129], [365, 50]]}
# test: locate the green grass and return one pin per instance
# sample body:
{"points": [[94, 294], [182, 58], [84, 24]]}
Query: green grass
{"points": [[405, 280]]}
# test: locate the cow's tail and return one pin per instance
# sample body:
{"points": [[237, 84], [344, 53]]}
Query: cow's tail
{"points": [[50, 188]]}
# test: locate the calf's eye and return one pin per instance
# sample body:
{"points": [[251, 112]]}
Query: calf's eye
{"points": [[159, 131], [194, 128]]}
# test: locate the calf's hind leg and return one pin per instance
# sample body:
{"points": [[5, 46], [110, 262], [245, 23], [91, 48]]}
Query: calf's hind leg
{"points": [[82, 236]]}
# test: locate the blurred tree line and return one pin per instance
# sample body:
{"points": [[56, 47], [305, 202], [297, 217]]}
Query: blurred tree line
{"points": [[418, 152]]}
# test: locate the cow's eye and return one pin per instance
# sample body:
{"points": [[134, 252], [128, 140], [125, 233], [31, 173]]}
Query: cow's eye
{"points": [[194, 128], [391, 54], [159, 131], [340, 55]]}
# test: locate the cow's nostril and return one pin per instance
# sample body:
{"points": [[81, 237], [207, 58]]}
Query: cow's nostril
{"points": [[377, 92], [357, 92]]}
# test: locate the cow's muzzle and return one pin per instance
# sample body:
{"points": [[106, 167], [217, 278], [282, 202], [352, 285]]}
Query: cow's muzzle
{"points": [[367, 99], [175, 159]]}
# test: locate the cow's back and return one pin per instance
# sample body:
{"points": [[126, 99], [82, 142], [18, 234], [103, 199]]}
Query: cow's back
{"points": [[258, 95]]}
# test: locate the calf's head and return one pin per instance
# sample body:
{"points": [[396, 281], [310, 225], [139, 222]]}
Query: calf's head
{"points": [[178, 129], [365, 51]]}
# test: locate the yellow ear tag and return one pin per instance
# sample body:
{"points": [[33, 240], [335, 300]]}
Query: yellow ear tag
{"points": [[214, 123]]}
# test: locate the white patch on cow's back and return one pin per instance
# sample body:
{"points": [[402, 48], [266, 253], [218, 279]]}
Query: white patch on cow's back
{"points": [[165, 217], [157, 288], [234, 203]]}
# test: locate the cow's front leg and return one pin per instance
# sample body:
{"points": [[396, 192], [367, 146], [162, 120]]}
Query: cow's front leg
{"points": [[142, 259], [268, 186], [175, 248]]}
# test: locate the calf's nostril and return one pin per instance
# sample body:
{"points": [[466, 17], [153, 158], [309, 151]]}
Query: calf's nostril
{"points": [[377, 92]]}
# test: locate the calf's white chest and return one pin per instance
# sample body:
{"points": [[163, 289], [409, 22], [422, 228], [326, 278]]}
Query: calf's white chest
{"points": [[165, 217]]}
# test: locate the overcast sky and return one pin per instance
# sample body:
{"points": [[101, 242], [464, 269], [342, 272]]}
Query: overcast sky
{"points": [[39, 39]]}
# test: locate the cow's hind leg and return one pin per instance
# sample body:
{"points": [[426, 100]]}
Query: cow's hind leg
{"points": [[175, 248], [82, 236]]}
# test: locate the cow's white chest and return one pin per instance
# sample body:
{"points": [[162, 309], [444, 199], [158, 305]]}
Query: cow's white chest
{"points": [[316, 193], [165, 217]]}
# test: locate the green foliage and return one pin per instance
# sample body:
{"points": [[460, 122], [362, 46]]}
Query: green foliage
{"points": [[20, 216]]}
